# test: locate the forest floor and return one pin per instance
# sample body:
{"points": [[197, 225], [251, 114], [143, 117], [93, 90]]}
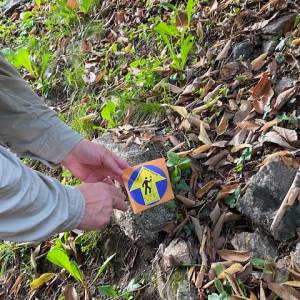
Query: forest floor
{"points": [[215, 81]]}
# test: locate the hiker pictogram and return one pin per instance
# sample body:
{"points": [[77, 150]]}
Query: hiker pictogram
{"points": [[146, 186]]}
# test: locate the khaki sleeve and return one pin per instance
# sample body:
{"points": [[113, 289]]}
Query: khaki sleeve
{"points": [[27, 126], [32, 205]]}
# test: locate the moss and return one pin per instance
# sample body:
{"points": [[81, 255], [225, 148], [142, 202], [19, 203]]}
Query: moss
{"points": [[177, 277]]}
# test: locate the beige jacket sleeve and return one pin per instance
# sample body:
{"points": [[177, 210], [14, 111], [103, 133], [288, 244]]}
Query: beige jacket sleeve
{"points": [[32, 206], [27, 126]]}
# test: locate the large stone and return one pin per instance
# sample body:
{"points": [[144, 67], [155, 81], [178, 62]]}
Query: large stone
{"points": [[146, 226], [171, 284], [264, 196], [10, 5], [177, 253], [281, 26], [243, 50], [257, 243], [283, 84]]}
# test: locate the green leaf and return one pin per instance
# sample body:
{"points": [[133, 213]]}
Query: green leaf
{"points": [[219, 286], [104, 266], [219, 269], [185, 49], [23, 60], [176, 175], [234, 198], [183, 186], [189, 10], [85, 5], [258, 262], [166, 29], [173, 157], [108, 291], [59, 257], [108, 112], [215, 296]]}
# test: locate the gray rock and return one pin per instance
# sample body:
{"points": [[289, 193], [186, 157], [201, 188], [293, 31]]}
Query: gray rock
{"points": [[297, 255], [280, 26], [243, 49], [133, 153], [282, 272], [177, 253], [269, 46], [171, 284], [258, 243], [283, 84], [10, 5], [147, 225], [264, 195]]}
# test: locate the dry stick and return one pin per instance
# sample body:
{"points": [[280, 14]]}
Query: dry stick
{"points": [[288, 201]]}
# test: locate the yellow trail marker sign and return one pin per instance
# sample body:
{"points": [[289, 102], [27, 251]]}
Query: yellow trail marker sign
{"points": [[148, 184]]}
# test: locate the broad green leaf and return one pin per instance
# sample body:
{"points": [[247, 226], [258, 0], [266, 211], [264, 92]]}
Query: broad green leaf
{"points": [[108, 290], [176, 175], [59, 257], [45, 60], [108, 112], [219, 286], [104, 266], [258, 262], [36, 283], [23, 60], [167, 29]]}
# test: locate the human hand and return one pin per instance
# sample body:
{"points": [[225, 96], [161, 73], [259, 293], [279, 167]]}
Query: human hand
{"points": [[100, 200], [91, 162]]}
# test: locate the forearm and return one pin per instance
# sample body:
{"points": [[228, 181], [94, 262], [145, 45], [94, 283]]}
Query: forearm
{"points": [[27, 125], [33, 206]]}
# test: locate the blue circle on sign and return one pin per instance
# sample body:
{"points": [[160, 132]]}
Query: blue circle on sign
{"points": [[161, 185]]}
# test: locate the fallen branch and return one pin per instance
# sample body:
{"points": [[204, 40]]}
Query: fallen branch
{"points": [[288, 201]]}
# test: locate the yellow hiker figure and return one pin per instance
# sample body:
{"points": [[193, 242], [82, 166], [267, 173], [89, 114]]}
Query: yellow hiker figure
{"points": [[146, 181]]}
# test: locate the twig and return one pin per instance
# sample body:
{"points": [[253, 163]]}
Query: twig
{"points": [[288, 201]]}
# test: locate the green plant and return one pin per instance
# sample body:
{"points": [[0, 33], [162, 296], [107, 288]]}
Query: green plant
{"points": [[59, 256], [234, 198], [108, 113], [177, 164], [239, 162], [178, 41], [85, 5], [127, 293]]}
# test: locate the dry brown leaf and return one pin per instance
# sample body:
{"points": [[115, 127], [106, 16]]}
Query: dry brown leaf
{"points": [[271, 4], [72, 4], [239, 147], [262, 93], [212, 162], [180, 110], [283, 98], [229, 70], [283, 291], [233, 269], [215, 214], [205, 189], [250, 125], [173, 88], [222, 127], [262, 295], [198, 228], [227, 190], [85, 46], [269, 125], [224, 53], [70, 293], [181, 18], [296, 42], [259, 62], [288, 134], [201, 149], [214, 7], [186, 201], [274, 156], [203, 136], [236, 256], [252, 296], [295, 283], [276, 138]]}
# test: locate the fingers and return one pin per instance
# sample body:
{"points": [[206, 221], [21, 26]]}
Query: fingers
{"points": [[118, 199]]}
